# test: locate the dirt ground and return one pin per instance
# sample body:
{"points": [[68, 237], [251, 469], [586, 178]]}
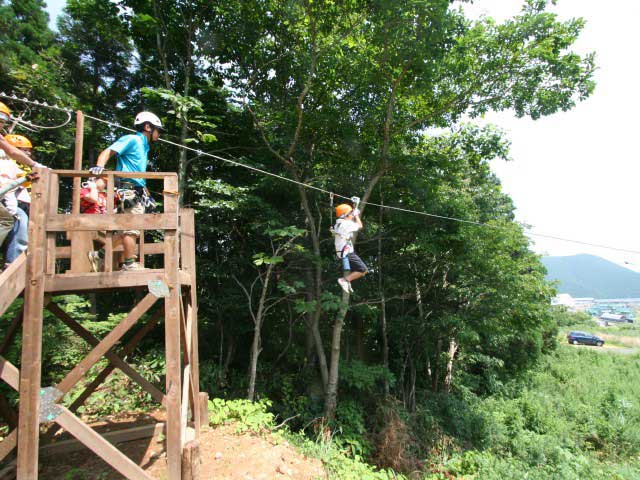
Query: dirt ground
{"points": [[224, 455]]}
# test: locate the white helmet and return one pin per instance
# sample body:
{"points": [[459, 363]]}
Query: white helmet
{"points": [[144, 117]]}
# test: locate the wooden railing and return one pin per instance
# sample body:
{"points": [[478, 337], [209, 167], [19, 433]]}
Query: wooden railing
{"points": [[83, 228]]}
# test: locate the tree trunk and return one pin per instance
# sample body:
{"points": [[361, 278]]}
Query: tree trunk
{"points": [[383, 302], [453, 348], [436, 367], [331, 397], [255, 347]]}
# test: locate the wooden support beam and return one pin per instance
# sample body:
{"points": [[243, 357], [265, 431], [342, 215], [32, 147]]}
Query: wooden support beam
{"points": [[9, 374], [77, 161], [148, 175], [31, 364], [100, 446], [156, 394], [102, 376], [8, 444], [110, 222], [188, 256], [126, 350], [106, 344], [11, 332], [12, 282], [52, 208], [172, 334], [72, 282]]}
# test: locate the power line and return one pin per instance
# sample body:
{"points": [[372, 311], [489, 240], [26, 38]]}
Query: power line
{"points": [[322, 190]]}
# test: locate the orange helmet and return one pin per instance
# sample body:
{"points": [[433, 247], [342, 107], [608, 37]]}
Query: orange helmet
{"points": [[18, 141], [343, 209], [5, 113]]}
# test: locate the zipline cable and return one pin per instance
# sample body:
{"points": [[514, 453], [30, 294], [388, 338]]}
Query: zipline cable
{"points": [[328, 192]]}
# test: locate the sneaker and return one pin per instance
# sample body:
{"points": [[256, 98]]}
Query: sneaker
{"points": [[350, 287], [97, 264], [344, 285], [129, 267]]}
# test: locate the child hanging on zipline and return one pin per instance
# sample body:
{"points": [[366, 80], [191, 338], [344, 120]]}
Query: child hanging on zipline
{"points": [[348, 222]]}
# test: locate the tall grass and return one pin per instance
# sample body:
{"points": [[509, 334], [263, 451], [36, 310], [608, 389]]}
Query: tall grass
{"points": [[577, 416]]}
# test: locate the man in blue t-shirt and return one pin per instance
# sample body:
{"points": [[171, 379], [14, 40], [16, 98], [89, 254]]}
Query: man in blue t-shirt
{"points": [[132, 155]]}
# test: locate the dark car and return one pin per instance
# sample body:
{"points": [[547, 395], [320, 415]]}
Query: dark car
{"points": [[584, 338]]}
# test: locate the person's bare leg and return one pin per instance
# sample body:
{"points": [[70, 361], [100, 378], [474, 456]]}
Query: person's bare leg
{"points": [[355, 276], [129, 246]]}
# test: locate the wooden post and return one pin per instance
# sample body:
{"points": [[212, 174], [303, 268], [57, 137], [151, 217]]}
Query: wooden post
{"points": [[77, 161], [81, 242], [28, 421], [172, 335], [188, 254], [52, 208], [191, 461], [204, 409]]}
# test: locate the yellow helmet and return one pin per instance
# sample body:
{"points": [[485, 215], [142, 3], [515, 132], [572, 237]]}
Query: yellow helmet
{"points": [[5, 113], [18, 141], [343, 209]]}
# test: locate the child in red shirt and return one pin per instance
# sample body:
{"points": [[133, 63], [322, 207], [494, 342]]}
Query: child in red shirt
{"points": [[93, 200]]}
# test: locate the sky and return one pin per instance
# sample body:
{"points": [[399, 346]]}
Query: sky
{"points": [[575, 174]]}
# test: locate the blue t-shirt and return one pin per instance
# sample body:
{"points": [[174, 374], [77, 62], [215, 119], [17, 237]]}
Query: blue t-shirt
{"points": [[132, 155]]}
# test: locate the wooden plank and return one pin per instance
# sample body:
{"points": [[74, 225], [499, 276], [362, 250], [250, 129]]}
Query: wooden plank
{"points": [[31, 364], [156, 394], [69, 381], [52, 206], [148, 175], [9, 373], [100, 446], [8, 444], [118, 436], [111, 222], [156, 248], [12, 282], [99, 281], [11, 332], [172, 334]]}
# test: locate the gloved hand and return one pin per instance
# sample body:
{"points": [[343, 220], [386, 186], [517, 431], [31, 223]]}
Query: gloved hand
{"points": [[39, 165], [96, 170], [356, 213]]}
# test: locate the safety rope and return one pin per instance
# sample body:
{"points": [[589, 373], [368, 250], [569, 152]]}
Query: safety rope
{"points": [[328, 192]]}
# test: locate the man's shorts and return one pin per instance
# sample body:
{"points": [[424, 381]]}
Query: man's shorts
{"points": [[356, 263], [139, 209]]}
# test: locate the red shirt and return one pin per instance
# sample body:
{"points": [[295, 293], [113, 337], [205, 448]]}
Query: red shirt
{"points": [[87, 206]]}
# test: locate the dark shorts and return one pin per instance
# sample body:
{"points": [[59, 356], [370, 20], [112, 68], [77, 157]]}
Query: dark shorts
{"points": [[356, 263]]}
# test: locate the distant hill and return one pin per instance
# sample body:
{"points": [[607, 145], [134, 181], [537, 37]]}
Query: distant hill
{"points": [[591, 276]]}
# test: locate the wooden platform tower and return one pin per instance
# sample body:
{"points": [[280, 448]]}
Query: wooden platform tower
{"points": [[35, 276]]}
